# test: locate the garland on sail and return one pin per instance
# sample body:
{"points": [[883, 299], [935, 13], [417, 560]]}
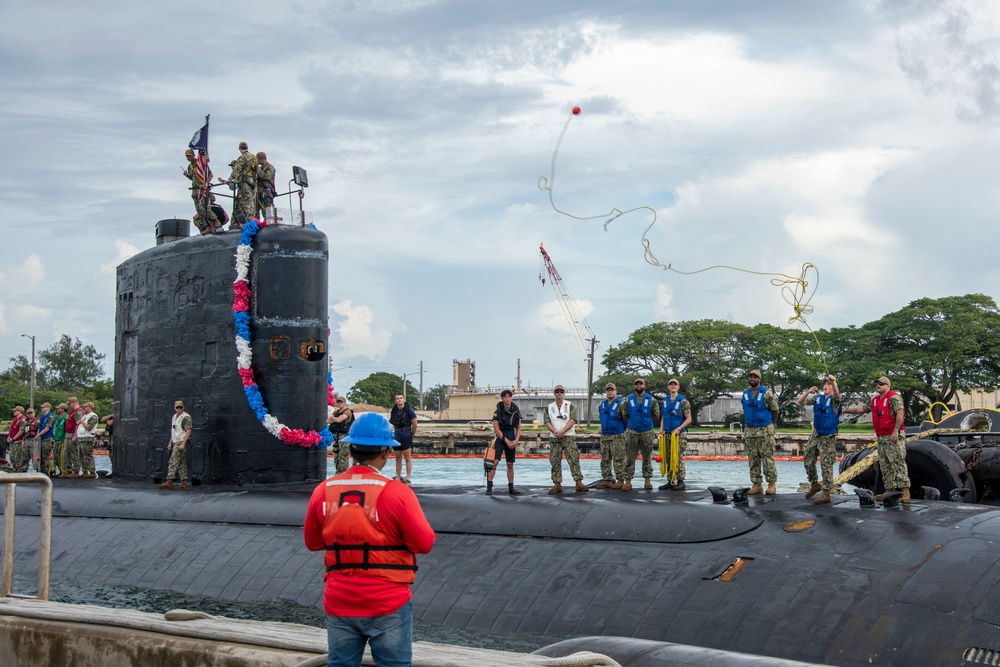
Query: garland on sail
{"points": [[241, 306]]}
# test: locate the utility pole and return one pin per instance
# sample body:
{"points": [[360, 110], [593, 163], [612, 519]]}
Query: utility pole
{"points": [[31, 396], [421, 385], [519, 373], [590, 375], [404, 387]]}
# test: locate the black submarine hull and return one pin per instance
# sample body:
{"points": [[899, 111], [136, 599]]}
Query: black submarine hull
{"points": [[779, 577]]}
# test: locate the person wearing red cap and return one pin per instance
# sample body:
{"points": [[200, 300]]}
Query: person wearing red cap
{"points": [[371, 528]]}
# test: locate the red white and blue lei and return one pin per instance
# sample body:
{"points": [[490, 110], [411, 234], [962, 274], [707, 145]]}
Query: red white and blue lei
{"points": [[241, 306]]}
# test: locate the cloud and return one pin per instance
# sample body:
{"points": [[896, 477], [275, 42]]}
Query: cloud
{"points": [[661, 303], [357, 338], [554, 318], [125, 251], [23, 277]]}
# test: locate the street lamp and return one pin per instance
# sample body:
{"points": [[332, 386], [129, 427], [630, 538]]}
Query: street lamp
{"points": [[339, 369], [31, 397]]}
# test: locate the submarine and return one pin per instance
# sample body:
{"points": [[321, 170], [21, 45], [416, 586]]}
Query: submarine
{"points": [[754, 580]]}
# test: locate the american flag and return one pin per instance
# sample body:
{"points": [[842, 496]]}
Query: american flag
{"points": [[199, 143]]}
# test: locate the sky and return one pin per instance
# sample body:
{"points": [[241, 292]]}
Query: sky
{"points": [[859, 136]]}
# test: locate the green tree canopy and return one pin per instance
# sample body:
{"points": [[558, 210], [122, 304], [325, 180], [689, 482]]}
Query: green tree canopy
{"points": [[69, 364], [707, 356], [435, 398], [931, 350], [379, 388], [19, 371]]}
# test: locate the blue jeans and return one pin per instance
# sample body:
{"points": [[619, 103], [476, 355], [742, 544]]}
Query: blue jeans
{"points": [[390, 638]]}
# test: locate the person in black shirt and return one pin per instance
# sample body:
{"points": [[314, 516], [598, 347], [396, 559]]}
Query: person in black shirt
{"points": [[404, 421], [507, 428]]}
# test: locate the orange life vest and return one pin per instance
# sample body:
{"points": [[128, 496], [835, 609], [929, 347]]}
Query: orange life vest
{"points": [[354, 543]]}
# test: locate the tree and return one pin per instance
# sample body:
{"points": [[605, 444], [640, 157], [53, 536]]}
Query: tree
{"points": [[19, 371], [69, 364], [790, 362], [379, 388], [436, 398], [931, 349], [707, 356]]}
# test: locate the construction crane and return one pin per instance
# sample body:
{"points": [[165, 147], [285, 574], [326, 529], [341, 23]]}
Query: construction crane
{"points": [[577, 323]]}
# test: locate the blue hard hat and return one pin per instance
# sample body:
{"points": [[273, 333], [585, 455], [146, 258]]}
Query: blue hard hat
{"points": [[370, 430]]}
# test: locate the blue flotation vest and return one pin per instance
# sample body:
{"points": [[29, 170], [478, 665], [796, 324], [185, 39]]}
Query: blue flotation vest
{"points": [[611, 423], [825, 419], [672, 415], [640, 417], [755, 412]]}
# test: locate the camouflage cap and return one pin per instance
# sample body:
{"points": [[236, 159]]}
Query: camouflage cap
{"points": [[640, 380], [178, 404], [755, 371], [610, 385], [558, 387], [189, 152], [673, 381], [884, 380]]}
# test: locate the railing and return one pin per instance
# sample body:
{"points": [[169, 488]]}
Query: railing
{"points": [[45, 546]]}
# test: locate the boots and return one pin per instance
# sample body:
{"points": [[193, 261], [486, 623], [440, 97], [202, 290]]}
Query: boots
{"points": [[169, 484], [627, 485], [881, 496], [906, 495], [618, 485], [604, 484], [814, 489], [680, 485], [184, 485], [489, 488], [770, 489], [556, 488], [756, 489], [648, 485], [511, 490], [823, 498], [581, 487]]}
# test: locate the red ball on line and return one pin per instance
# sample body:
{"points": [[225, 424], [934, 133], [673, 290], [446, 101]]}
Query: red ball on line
{"points": [[576, 111]]}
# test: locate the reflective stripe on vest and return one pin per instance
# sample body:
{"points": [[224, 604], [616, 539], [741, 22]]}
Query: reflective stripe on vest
{"points": [[825, 419], [354, 543], [755, 412], [672, 414], [883, 418], [611, 423], [640, 417]]}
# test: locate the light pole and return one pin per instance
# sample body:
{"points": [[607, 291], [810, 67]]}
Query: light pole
{"points": [[31, 397], [339, 369]]}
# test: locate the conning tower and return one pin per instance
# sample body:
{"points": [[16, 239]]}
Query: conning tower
{"points": [[175, 339]]}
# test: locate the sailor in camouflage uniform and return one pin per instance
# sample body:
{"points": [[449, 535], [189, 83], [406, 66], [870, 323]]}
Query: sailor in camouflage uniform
{"points": [[560, 419], [243, 181], [612, 441], [760, 412], [641, 413], [887, 418], [823, 440], [204, 217], [265, 185], [181, 426], [676, 418]]}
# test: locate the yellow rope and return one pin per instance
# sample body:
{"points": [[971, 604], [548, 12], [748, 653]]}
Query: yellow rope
{"points": [[794, 289], [871, 459]]}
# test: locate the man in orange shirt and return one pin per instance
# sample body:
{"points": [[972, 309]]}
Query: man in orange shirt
{"points": [[347, 515]]}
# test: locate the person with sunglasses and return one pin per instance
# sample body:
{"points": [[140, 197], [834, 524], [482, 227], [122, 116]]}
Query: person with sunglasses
{"points": [[560, 419], [760, 414], [890, 435]]}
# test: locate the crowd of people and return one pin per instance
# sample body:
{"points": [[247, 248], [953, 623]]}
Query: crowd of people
{"points": [[57, 443], [251, 181]]}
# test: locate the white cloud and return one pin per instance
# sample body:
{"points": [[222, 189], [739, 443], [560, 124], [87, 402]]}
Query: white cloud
{"points": [[357, 338], [661, 303], [554, 318], [23, 278], [125, 251]]}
